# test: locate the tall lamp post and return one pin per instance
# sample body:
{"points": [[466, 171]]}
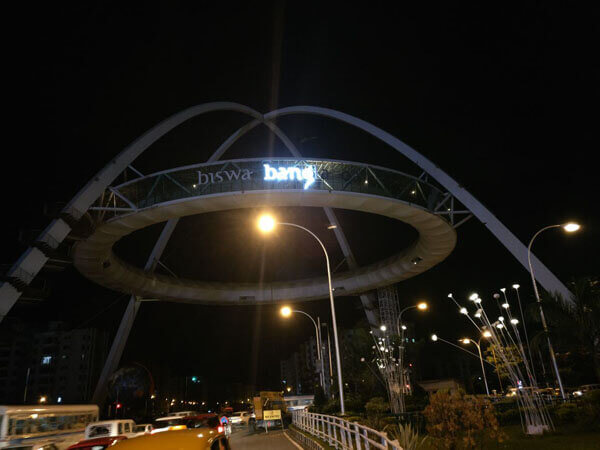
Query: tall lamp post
{"points": [[267, 224], [477, 344], [400, 330], [569, 228], [286, 312]]}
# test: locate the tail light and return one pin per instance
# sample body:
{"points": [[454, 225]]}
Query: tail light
{"points": [[220, 429]]}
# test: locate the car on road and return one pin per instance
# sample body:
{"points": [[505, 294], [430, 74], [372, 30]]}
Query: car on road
{"points": [[184, 413], [97, 443], [240, 418], [585, 389], [196, 439], [168, 423], [107, 428], [143, 428]]}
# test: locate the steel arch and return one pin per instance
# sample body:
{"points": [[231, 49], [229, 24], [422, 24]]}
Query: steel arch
{"points": [[34, 258]]}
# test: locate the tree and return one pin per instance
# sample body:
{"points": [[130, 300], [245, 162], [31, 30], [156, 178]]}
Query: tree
{"points": [[574, 326], [461, 421], [492, 355]]}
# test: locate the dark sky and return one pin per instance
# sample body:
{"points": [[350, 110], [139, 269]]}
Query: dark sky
{"points": [[503, 99]]}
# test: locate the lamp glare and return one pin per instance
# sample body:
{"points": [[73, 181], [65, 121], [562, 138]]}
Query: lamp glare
{"points": [[266, 223], [571, 227]]}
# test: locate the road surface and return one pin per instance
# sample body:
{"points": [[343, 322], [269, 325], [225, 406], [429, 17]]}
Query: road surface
{"points": [[274, 440]]}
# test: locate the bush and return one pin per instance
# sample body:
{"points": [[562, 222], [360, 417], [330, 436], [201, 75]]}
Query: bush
{"points": [[354, 402], [566, 413], [393, 420], [320, 400], [377, 406], [508, 417], [589, 411], [354, 419], [406, 435], [456, 419], [331, 407]]}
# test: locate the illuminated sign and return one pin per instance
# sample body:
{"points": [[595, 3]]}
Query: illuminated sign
{"points": [[306, 174]]}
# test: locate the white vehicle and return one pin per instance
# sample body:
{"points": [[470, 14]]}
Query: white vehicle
{"points": [[44, 426], [584, 389], [240, 418], [184, 413], [108, 428], [141, 429], [298, 402], [168, 423]]}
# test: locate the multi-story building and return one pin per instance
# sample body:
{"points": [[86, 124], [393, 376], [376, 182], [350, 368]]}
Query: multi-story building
{"points": [[14, 357], [60, 365], [301, 371]]}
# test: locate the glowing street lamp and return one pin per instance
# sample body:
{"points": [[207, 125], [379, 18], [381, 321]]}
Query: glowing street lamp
{"points": [[286, 312], [467, 341], [569, 227], [266, 224], [421, 306]]}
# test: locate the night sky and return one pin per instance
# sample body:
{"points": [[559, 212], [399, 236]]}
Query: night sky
{"points": [[503, 99]]}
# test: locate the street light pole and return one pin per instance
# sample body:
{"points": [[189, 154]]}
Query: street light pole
{"points": [[318, 342], [333, 318], [400, 331], [569, 227], [266, 224], [478, 345]]}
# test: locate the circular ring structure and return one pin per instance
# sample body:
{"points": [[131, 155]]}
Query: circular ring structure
{"points": [[267, 183]]}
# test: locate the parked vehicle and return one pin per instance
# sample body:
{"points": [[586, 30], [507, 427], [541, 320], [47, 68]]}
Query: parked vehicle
{"points": [[241, 417], [106, 428], [183, 413], [585, 388], [141, 429], [210, 420], [168, 423], [36, 426]]}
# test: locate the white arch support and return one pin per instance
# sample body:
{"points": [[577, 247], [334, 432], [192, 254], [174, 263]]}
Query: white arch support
{"points": [[22, 273]]}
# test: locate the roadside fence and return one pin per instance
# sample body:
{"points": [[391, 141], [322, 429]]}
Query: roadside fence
{"points": [[342, 434]]}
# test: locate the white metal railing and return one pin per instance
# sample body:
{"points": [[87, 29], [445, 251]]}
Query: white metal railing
{"points": [[342, 434]]}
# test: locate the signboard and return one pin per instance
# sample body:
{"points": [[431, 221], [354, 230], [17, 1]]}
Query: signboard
{"points": [[272, 414], [301, 171]]}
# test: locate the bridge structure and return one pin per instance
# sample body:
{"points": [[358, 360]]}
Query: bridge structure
{"points": [[117, 208]]}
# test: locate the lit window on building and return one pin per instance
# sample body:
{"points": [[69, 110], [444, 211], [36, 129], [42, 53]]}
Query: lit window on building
{"points": [[46, 360]]}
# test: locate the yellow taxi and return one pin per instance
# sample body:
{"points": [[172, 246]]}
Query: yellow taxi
{"points": [[194, 439]]}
